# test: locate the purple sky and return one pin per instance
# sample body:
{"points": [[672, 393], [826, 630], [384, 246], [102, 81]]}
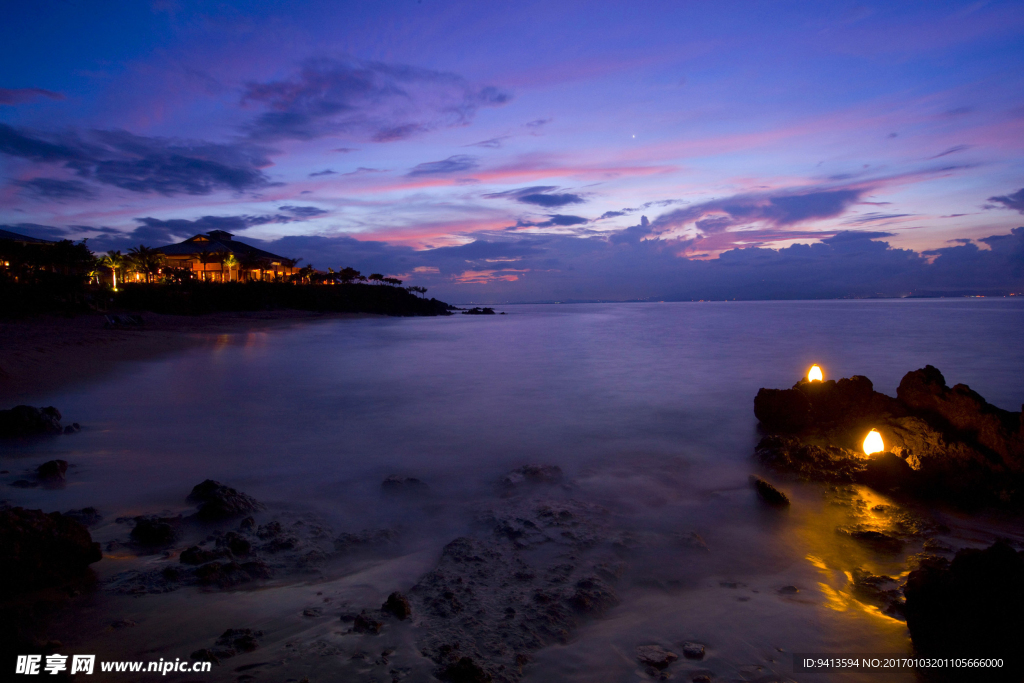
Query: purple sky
{"points": [[534, 151]]}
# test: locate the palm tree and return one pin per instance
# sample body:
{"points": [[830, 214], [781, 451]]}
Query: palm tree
{"points": [[146, 260], [230, 262], [113, 260]]}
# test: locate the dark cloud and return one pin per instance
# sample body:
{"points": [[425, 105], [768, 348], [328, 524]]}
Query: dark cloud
{"points": [[556, 220], [43, 232], [362, 169], [54, 188], [12, 96], [538, 123], [611, 214], [453, 164], [493, 143], [874, 217], [951, 150], [344, 150], [326, 171], [539, 195], [141, 164], [369, 100], [303, 211], [778, 210], [1013, 201]]}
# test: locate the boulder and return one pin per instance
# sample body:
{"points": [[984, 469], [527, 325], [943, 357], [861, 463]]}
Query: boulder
{"points": [[41, 550], [29, 421], [974, 607], [397, 605], [218, 502], [965, 414], [365, 623], [53, 471], [656, 656]]}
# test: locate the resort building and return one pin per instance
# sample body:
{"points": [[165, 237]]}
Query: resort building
{"points": [[218, 257]]}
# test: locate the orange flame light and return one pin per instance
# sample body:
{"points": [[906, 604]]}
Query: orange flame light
{"points": [[873, 443], [815, 374]]}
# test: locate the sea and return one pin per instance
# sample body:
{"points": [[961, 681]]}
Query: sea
{"points": [[647, 408]]}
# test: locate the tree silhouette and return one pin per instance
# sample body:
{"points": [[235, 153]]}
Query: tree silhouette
{"points": [[376, 277], [146, 260], [115, 261], [348, 275]]}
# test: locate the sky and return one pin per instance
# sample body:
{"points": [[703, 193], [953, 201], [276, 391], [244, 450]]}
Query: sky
{"points": [[534, 151]]}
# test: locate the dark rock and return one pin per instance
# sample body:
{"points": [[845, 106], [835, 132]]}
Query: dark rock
{"points": [[236, 543], [240, 639], [153, 532], [810, 461], [966, 413], [312, 612], [465, 670], [364, 623], [247, 524], [197, 555], [769, 493], [887, 472], [404, 486], [532, 474], [217, 501], [122, 623], [789, 590], [42, 550], [398, 605], [29, 421], [89, 516], [878, 540], [693, 650], [476, 310], [53, 471], [227, 574], [972, 608], [656, 656]]}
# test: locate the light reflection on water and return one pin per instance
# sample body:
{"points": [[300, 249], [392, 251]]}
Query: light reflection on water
{"points": [[648, 407]]}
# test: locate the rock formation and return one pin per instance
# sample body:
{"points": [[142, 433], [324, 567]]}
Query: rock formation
{"points": [[940, 442]]}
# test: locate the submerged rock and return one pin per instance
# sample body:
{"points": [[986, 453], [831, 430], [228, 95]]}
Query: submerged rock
{"points": [[693, 650], [41, 550], [403, 486], [365, 623], [218, 502], [464, 670], [769, 493], [54, 471], [974, 607], [29, 421], [532, 474], [656, 656], [89, 516]]}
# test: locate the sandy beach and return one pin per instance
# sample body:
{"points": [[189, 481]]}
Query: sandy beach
{"points": [[46, 352]]}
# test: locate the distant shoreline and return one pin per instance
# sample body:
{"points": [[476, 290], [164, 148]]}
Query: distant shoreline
{"points": [[43, 353]]}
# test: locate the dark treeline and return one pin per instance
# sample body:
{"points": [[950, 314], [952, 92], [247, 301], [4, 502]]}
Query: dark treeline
{"points": [[193, 298]]}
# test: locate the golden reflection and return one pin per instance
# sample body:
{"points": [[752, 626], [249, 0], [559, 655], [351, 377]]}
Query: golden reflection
{"points": [[815, 374]]}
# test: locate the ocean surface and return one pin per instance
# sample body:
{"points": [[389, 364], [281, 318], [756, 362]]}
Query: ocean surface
{"points": [[647, 408]]}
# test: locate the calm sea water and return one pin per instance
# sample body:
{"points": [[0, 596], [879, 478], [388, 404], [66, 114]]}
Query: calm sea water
{"points": [[648, 407]]}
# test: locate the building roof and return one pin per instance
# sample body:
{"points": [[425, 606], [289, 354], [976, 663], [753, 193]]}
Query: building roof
{"points": [[216, 241], [15, 237]]}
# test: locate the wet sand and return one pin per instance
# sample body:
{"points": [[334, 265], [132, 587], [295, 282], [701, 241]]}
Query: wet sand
{"points": [[48, 352]]}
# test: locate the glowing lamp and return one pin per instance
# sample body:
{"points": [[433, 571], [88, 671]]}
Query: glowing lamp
{"points": [[873, 443], [815, 374]]}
